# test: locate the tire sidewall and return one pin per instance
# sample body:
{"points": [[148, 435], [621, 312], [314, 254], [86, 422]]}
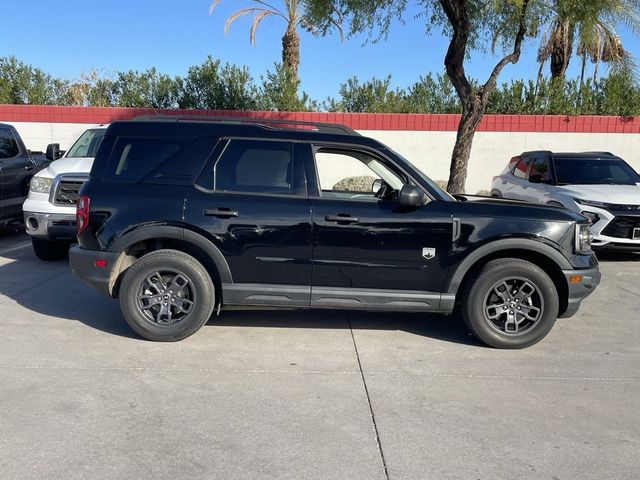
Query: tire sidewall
{"points": [[474, 313], [203, 291]]}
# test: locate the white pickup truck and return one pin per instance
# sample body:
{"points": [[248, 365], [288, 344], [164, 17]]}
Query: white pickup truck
{"points": [[50, 208]]}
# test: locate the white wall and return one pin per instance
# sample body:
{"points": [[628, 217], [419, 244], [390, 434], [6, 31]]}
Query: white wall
{"points": [[429, 151]]}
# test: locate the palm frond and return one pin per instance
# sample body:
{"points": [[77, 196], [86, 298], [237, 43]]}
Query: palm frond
{"points": [[256, 23], [241, 13]]}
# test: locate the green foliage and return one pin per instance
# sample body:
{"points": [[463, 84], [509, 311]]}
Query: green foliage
{"points": [[211, 85], [279, 92], [217, 87]]}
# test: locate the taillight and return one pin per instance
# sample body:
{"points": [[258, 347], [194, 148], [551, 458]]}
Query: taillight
{"points": [[82, 214]]}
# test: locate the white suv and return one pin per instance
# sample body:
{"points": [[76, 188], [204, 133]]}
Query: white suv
{"points": [[50, 208], [599, 185]]}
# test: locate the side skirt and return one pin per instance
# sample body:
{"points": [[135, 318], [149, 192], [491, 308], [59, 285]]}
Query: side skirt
{"points": [[296, 296]]}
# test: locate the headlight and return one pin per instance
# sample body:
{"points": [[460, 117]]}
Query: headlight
{"points": [[41, 184], [583, 238], [594, 217], [591, 203]]}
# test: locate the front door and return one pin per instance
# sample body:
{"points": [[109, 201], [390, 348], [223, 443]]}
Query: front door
{"points": [[15, 172], [369, 251], [255, 209]]}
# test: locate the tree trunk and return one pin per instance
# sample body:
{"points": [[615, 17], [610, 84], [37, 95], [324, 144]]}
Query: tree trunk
{"points": [[561, 50], [462, 149], [291, 50]]}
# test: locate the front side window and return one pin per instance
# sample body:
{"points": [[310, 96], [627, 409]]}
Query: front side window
{"points": [[87, 145], [8, 145], [256, 166], [351, 174], [585, 171]]}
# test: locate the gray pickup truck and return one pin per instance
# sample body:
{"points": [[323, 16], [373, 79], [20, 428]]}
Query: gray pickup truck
{"points": [[17, 166]]}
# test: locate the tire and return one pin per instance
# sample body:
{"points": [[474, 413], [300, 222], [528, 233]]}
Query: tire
{"points": [[496, 194], [502, 319], [49, 250], [167, 296]]}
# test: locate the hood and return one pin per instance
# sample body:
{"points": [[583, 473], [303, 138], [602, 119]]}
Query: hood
{"points": [[67, 165], [503, 208], [618, 194]]}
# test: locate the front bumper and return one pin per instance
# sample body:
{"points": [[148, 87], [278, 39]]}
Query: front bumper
{"points": [[579, 290], [83, 265], [50, 226]]}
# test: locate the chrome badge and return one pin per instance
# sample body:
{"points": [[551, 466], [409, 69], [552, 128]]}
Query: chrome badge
{"points": [[428, 253]]}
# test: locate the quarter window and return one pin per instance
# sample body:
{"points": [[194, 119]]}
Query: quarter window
{"points": [[520, 171], [259, 167]]}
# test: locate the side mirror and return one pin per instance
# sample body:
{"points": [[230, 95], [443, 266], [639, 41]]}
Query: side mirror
{"points": [[537, 178], [411, 196], [54, 152], [377, 184]]}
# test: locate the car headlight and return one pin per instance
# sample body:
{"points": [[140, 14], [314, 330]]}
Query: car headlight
{"points": [[590, 203], [583, 238], [594, 217], [41, 184]]}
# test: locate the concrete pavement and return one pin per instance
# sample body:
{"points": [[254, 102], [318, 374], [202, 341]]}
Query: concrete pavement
{"points": [[309, 395]]}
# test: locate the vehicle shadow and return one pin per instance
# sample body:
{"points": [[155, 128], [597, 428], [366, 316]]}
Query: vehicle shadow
{"points": [[49, 288], [618, 256]]}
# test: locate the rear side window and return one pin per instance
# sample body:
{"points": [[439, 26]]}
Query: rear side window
{"points": [[520, 171], [155, 160], [8, 145], [259, 167]]}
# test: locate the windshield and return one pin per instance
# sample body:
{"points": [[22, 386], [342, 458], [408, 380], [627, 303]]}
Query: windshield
{"points": [[444, 195], [583, 171], [87, 145]]}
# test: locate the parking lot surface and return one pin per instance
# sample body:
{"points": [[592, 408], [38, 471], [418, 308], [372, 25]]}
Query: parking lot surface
{"points": [[310, 395]]}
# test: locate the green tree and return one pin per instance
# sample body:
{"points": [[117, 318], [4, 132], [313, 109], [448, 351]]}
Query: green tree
{"points": [[373, 96], [469, 23], [591, 27], [211, 85]]}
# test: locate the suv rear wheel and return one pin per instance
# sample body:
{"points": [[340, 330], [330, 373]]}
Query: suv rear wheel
{"points": [[510, 303], [167, 296]]}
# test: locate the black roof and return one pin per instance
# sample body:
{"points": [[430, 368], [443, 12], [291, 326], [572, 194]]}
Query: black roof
{"points": [[191, 127]]}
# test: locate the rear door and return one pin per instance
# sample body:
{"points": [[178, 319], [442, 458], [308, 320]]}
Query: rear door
{"points": [[16, 170], [253, 205]]}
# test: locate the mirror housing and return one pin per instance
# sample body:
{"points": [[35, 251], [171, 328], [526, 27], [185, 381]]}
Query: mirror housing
{"points": [[377, 184], [411, 196], [54, 152]]}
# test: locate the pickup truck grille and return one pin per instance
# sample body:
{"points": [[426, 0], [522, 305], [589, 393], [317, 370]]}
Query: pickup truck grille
{"points": [[622, 227], [68, 191]]}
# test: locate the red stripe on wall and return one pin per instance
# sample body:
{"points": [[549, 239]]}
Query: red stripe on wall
{"points": [[357, 121]]}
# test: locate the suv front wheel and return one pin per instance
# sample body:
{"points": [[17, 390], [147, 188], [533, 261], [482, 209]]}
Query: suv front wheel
{"points": [[167, 296], [510, 303]]}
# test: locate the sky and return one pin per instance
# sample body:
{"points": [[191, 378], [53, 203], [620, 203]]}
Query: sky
{"points": [[73, 36]]}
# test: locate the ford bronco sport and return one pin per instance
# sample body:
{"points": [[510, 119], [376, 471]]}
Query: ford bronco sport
{"points": [[182, 217]]}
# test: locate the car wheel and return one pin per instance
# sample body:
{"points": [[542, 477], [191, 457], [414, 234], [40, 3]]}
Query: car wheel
{"points": [[496, 194], [167, 296], [510, 303], [49, 250]]}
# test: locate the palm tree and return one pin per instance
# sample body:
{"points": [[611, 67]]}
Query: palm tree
{"points": [[291, 13], [593, 24]]}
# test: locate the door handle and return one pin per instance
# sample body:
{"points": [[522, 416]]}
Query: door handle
{"points": [[341, 218], [221, 212]]}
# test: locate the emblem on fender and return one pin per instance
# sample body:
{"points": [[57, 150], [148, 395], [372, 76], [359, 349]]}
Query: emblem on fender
{"points": [[428, 253]]}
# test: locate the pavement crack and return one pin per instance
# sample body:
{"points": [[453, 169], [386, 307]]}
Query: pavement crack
{"points": [[366, 391], [629, 291]]}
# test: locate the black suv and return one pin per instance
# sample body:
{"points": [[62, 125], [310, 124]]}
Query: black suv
{"points": [[183, 216]]}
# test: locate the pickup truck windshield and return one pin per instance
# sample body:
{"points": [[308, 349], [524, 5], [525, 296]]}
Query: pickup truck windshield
{"points": [[87, 145], [580, 171]]}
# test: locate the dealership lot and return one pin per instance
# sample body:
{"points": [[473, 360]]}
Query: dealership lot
{"points": [[321, 394]]}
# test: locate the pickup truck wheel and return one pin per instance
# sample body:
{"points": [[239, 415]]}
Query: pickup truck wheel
{"points": [[167, 296], [510, 303], [49, 250]]}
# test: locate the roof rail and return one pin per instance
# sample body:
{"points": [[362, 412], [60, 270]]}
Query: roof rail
{"points": [[262, 122]]}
